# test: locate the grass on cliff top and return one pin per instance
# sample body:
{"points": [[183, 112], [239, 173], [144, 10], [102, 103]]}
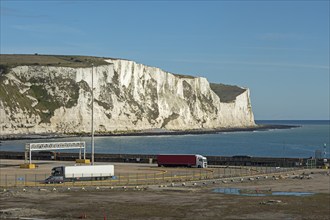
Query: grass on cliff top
{"points": [[13, 60], [227, 93], [184, 76]]}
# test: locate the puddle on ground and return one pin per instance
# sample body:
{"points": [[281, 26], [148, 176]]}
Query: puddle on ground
{"points": [[250, 192]]}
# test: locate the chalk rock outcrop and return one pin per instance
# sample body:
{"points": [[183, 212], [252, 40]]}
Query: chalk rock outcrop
{"points": [[128, 97]]}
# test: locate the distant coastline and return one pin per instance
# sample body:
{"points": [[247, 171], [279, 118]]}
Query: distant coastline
{"points": [[155, 132]]}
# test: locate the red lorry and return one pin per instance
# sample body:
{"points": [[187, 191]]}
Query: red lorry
{"points": [[189, 160]]}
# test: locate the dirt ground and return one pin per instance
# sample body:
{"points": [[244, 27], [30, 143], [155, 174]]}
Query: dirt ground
{"points": [[188, 200]]}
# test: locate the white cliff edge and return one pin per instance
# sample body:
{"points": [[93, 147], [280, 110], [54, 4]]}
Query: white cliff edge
{"points": [[128, 97]]}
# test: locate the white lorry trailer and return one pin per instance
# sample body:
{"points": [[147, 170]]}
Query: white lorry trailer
{"points": [[80, 173]]}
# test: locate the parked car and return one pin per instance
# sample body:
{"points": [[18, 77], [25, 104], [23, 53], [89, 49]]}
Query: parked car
{"points": [[54, 179]]}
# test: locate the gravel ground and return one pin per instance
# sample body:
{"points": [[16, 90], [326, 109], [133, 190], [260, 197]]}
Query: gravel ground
{"points": [[189, 200]]}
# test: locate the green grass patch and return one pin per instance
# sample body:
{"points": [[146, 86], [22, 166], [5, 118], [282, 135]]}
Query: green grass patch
{"points": [[226, 93], [13, 60], [10, 96]]}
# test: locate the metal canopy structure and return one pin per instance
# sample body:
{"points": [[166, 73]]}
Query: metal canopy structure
{"points": [[29, 147]]}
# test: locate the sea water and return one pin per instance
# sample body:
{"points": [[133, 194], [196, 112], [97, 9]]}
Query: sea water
{"points": [[300, 142], [237, 191]]}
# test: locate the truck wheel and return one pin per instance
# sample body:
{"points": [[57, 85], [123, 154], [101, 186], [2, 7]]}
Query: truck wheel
{"points": [[199, 166]]}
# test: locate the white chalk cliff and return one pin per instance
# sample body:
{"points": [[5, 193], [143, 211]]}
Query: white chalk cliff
{"points": [[127, 97]]}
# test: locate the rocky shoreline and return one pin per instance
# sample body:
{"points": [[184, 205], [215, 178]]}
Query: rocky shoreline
{"points": [[155, 132]]}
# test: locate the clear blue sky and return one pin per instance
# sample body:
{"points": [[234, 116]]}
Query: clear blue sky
{"points": [[278, 49]]}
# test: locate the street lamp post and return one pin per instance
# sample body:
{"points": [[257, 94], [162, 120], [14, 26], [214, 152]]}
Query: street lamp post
{"points": [[92, 123]]}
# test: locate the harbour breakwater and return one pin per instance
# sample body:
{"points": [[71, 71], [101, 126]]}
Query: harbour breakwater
{"points": [[238, 160]]}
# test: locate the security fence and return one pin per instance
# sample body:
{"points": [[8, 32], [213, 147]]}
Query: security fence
{"points": [[152, 176]]}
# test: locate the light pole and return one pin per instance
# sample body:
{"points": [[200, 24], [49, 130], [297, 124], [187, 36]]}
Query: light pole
{"points": [[92, 123]]}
